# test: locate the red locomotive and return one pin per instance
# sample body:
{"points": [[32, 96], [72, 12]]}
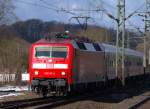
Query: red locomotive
{"points": [[61, 65]]}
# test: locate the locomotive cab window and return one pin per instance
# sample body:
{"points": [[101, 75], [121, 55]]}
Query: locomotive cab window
{"points": [[51, 52]]}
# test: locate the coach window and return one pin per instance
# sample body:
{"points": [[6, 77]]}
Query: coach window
{"points": [[107, 60], [114, 63], [139, 63], [136, 61], [126, 63], [132, 61], [81, 45], [111, 63]]}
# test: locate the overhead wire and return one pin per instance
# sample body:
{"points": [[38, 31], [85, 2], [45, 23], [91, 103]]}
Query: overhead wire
{"points": [[49, 4], [43, 6], [72, 10], [57, 9], [137, 28], [53, 7], [35, 4], [61, 9], [135, 11], [107, 4]]}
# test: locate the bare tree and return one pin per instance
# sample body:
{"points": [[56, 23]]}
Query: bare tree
{"points": [[6, 11]]}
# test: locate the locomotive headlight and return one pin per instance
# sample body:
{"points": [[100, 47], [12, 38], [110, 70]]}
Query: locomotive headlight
{"points": [[63, 73], [36, 72]]}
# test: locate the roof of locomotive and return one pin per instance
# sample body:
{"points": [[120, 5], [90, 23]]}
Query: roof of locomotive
{"points": [[48, 41], [63, 38]]}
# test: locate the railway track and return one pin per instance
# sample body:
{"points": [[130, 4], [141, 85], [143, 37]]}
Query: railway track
{"points": [[41, 102], [28, 103]]}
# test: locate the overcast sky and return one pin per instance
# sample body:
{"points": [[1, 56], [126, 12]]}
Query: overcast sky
{"points": [[48, 10]]}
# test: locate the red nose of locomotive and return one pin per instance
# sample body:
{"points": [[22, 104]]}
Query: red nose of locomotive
{"points": [[50, 67]]}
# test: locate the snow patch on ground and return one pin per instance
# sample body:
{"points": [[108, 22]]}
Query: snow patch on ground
{"points": [[8, 91], [14, 88], [10, 94]]}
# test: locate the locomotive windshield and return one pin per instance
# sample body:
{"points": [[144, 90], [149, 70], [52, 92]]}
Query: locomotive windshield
{"points": [[51, 52]]}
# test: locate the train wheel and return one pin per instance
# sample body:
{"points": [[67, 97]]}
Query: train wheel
{"points": [[65, 93], [44, 95], [44, 92], [37, 90]]}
